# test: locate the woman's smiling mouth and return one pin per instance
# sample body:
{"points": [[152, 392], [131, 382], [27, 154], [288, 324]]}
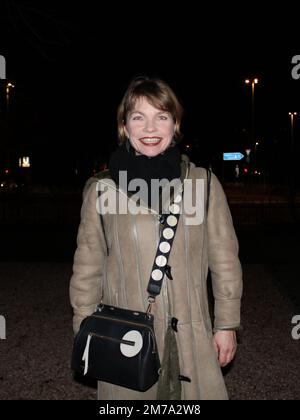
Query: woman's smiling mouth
{"points": [[151, 141]]}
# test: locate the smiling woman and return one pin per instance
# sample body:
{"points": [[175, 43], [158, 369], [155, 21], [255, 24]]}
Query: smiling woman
{"points": [[149, 130], [147, 107], [114, 257]]}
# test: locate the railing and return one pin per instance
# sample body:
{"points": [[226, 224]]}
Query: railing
{"points": [[258, 214], [64, 209], [39, 209]]}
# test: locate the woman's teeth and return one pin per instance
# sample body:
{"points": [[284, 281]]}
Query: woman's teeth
{"points": [[151, 141]]}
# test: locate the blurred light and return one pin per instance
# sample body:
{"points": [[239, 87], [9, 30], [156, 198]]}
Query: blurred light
{"points": [[248, 81], [6, 171], [255, 172], [8, 86], [24, 162], [245, 170], [257, 143]]}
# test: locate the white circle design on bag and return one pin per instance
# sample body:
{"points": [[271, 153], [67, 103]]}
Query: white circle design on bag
{"points": [[164, 247], [172, 221], [157, 274], [174, 208], [129, 350], [161, 261], [178, 198], [168, 233]]}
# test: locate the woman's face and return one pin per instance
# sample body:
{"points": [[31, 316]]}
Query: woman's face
{"points": [[150, 130]]}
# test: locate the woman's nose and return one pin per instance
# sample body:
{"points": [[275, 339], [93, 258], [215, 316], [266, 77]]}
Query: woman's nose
{"points": [[149, 127]]}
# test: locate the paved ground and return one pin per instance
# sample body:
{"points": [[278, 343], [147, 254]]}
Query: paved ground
{"points": [[35, 357], [35, 268]]}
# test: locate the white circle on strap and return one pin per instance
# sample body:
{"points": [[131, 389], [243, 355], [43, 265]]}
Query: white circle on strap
{"points": [[172, 220], [168, 233], [161, 261], [132, 350], [178, 198], [164, 247], [174, 208], [157, 274]]}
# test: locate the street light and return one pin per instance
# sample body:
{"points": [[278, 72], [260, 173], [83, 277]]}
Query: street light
{"points": [[253, 82], [255, 151], [9, 86], [292, 115]]}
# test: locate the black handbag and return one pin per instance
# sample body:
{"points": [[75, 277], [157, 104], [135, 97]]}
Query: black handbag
{"points": [[118, 345]]}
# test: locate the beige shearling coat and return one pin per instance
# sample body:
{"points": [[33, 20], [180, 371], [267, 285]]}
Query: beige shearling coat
{"points": [[122, 276]]}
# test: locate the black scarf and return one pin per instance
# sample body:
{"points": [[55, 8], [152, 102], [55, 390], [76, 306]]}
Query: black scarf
{"points": [[165, 165]]}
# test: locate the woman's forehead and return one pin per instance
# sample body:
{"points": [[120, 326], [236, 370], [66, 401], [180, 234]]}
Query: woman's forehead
{"points": [[144, 104]]}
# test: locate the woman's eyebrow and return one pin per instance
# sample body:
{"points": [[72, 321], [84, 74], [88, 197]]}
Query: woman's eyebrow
{"points": [[140, 112], [136, 112]]}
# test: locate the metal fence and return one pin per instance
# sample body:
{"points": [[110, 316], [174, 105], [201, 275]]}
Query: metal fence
{"points": [[64, 209], [40, 209]]}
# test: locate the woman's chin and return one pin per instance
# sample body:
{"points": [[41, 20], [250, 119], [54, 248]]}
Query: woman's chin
{"points": [[151, 151]]}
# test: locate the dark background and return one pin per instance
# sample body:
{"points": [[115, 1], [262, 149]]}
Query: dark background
{"points": [[72, 63]]}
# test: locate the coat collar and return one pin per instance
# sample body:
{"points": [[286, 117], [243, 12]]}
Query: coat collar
{"points": [[105, 178]]}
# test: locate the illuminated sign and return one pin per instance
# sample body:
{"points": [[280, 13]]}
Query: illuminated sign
{"points": [[233, 156], [24, 162]]}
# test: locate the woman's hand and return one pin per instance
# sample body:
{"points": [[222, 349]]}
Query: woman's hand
{"points": [[225, 346]]}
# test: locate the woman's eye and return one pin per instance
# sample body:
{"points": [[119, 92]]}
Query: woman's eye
{"points": [[137, 117], [163, 117]]}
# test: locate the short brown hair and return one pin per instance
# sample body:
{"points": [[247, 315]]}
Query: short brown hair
{"points": [[158, 93]]}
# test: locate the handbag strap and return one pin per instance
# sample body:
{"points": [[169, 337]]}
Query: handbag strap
{"points": [[160, 266], [208, 177]]}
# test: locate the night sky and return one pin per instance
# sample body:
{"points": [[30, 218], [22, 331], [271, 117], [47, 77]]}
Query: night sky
{"points": [[71, 65]]}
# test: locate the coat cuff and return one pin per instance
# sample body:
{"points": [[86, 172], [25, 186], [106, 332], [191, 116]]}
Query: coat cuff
{"points": [[227, 314]]}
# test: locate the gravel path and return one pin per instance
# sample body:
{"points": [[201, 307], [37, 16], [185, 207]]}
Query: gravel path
{"points": [[35, 357]]}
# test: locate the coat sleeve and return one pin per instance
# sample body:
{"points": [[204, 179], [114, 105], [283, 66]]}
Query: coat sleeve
{"points": [[89, 260], [223, 260]]}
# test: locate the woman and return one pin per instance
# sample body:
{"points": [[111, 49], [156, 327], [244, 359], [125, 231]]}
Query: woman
{"points": [[115, 252]]}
